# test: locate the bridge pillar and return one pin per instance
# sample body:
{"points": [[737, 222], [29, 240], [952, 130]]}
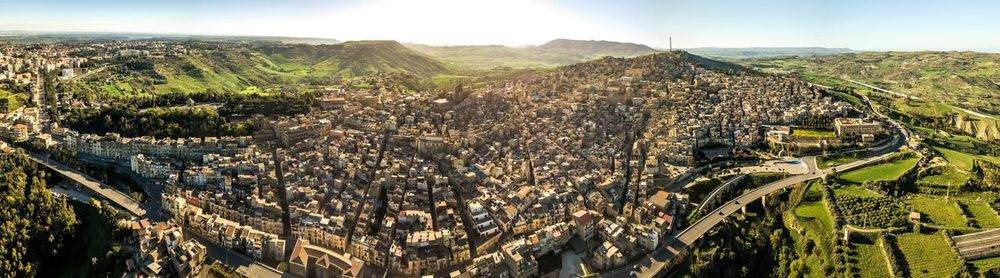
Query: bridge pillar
{"points": [[743, 209], [763, 200]]}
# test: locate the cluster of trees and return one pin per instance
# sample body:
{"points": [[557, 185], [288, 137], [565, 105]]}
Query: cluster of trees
{"points": [[33, 222], [881, 212], [985, 175], [142, 116], [178, 122], [745, 249]]}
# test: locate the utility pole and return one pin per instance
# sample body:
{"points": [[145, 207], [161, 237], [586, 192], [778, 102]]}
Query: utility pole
{"points": [[671, 40]]}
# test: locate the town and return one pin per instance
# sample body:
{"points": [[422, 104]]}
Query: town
{"points": [[471, 182]]}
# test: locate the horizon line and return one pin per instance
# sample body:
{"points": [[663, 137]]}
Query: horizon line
{"points": [[3, 32]]}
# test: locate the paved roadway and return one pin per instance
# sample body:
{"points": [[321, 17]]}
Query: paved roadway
{"points": [[115, 196]]}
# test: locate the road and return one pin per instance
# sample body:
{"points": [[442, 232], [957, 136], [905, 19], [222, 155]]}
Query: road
{"points": [[121, 199], [657, 261]]}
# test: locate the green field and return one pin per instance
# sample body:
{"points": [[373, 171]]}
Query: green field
{"points": [[827, 161], [928, 255], [849, 98], [814, 219], [869, 258], [883, 171], [950, 178], [961, 160], [982, 265], [854, 190], [982, 213], [14, 101], [937, 211], [813, 133]]}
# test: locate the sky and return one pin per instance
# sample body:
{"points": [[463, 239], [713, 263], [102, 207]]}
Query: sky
{"points": [[861, 25]]}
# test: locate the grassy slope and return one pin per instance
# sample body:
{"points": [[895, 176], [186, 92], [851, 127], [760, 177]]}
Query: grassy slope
{"points": [[817, 224], [883, 171], [14, 100], [239, 69], [928, 255], [555, 53], [938, 211], [871, 261], [491, 56], [982, 213], [353, 59], [855, 190]]}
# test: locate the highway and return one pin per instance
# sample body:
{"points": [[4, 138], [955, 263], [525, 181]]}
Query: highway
{"points": [[121, 199]]}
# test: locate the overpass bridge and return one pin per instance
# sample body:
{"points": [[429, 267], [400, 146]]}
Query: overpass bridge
{"points": [[117, 197]]}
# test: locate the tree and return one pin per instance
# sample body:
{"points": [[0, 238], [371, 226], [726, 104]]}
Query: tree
{"points": [[33, 222]]}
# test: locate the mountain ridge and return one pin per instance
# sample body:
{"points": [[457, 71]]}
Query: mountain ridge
{"points": [[554, 53]]}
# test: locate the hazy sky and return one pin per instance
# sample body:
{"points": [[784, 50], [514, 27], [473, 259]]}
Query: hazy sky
{"points": [[871, 25]]}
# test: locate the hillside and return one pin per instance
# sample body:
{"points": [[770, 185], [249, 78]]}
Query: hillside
{"points": [[491, 56], [354, 58], [554, 53], [764, 52], [231, 69], [239, 68], [597, 48], [966, 79], [942, 84]]}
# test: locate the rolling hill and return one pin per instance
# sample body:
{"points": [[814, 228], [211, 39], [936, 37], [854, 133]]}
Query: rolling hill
{"points": [[942, 83], [764, 52], [554, 53], [353, 58], [597, 48], [241, 68]]}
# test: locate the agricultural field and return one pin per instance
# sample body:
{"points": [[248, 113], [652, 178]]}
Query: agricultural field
{"points": [[938, 211], [962, 160], [982, 265], [882, 171], [980, 213], [868, 258], [948, 179], [928, 255], [879, 212], [855, 190]]}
